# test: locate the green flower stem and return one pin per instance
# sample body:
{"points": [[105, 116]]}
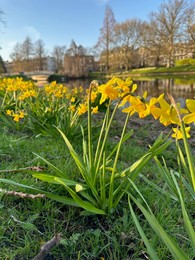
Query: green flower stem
{"points": [[90, 149], [4, 98], [100, 153], [102, 179], [189, 155], [115, 164], [99, 140], [186, 144]]}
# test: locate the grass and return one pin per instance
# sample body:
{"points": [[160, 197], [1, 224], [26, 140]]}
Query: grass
{"points": [[159, 72], [164, 70], [26, 224]]}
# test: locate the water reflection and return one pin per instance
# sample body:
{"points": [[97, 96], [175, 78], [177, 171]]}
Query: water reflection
{"points": [[178, 88]]}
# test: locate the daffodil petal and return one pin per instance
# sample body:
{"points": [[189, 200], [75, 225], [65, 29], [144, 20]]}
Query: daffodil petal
{"points": [[188, 119]]}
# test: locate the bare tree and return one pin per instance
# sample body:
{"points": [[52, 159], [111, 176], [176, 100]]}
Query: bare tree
{"points": [[40, 54], [27, 51], [106, 38], [152, 43], [2, 21], [22, 56], [2, 66], [17, 58], [58, 54], [128, 38], [191, 31], [169, 23], [191, 24]]}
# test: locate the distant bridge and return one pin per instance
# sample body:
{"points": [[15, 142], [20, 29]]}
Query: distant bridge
{"points": [[39, 76], [41, 79], [38, 72]]}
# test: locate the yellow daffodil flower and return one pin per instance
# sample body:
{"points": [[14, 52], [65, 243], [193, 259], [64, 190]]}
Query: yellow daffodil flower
{"points": [[178, 133], [9, 112], [124, 85], [95, 110], [136, 105], [21, 114], [72, 108], [166, 113], [108, 91], [82, 109], [16, 117], [190, 103], [72, 99]]}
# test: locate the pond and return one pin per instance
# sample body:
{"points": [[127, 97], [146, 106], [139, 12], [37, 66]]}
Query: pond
{"points": [[179, 87]]}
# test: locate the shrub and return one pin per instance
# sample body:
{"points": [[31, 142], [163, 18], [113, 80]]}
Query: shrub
{"points": [[186, 61]]}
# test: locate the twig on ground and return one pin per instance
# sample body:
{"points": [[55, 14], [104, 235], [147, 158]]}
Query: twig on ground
{"points": [[45, 249], [31, 168], [21, 194]]}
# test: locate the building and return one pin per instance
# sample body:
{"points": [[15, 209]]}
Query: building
{"points": [[145, 57], [33, 65], [79, 65]]}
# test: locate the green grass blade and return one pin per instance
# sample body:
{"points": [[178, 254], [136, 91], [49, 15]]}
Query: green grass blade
{"points": [[159, 189], [54, 168]]}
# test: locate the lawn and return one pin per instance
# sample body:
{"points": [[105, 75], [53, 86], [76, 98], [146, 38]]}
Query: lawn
{"points": [[37, 147]]}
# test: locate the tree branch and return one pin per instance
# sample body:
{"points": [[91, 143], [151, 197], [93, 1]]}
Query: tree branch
{"points": [[45, 249]]}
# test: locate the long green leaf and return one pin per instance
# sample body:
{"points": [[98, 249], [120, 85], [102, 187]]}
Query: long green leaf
{"points": [[188, 224], [125, 138], [51, 179], [134, 170], [83, 204], [54, 168], [75, 156], [165, 173], [159, 189], [184, 163], [176, 251], [62, 199], [81, 166], [150, 249]]}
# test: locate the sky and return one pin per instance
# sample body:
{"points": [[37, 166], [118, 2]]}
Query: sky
{"points": [[58, 22]]}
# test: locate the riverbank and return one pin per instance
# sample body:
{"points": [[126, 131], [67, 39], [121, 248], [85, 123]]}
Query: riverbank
{"points": [[149, 71]]}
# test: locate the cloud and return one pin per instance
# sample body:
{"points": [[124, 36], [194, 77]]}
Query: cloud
{"points": [[7, 48], [11, 44], [32, 32]]}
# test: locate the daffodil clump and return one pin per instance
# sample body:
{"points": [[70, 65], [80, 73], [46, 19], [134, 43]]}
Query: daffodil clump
{"points": [[37, 109], [16, 116], [100, 184], [124, 92], [21, 99]]}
